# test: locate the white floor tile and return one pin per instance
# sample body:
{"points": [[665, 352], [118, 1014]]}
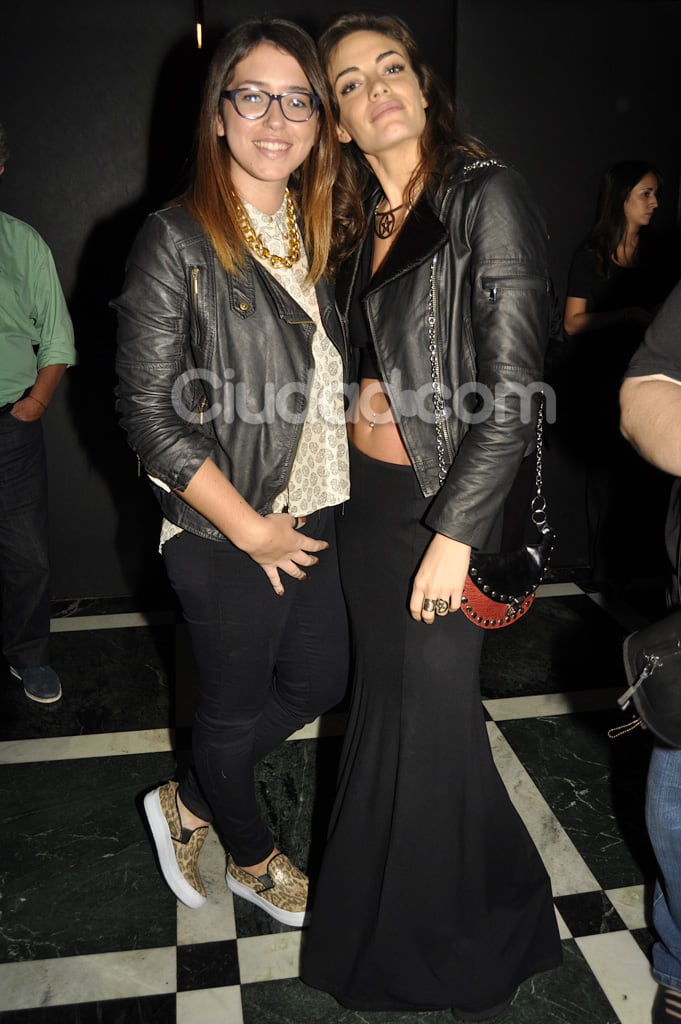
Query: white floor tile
{"points": [[563, 929], [565, 865], [214, 921], [632, 904], [623, 972], [269, 957], [504, 709], [327, 725], [559, 590], [210, 1006], [85, 979], [122, 620], [66, 748]]}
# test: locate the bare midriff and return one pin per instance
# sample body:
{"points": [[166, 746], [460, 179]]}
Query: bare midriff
{"points": [[371, 425]]}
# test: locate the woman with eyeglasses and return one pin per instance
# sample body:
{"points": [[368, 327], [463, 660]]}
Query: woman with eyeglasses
{"points": [[231, 366]]}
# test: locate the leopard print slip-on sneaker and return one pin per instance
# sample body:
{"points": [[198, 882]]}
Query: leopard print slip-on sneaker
{"points": [[281, 892], [178, 848]]}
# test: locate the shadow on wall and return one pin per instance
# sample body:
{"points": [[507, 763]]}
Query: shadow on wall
{"points": [[99, 279]]}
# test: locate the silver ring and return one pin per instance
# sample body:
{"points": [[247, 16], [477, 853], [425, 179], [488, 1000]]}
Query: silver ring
{"points": [[441, 606], [429, 604]]}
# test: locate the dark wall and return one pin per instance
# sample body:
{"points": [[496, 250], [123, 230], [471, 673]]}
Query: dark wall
{"points": [[99, 100], [561, 89]]}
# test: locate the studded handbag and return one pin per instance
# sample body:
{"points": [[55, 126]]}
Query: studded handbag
{"points": [[500, 586]]}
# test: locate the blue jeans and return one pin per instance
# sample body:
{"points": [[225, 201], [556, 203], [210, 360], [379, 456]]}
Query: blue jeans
{"points": [[663, 817], [24, 564]]}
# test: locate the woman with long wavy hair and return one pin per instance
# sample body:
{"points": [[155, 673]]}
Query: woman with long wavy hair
{"points": [[431, 893]]}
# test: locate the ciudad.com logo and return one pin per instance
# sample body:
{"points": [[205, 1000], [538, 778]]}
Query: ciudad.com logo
{"points": [[202, 395]]}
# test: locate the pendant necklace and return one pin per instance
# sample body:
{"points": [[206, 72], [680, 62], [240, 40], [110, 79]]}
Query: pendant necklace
{"points": [[384, 225]]}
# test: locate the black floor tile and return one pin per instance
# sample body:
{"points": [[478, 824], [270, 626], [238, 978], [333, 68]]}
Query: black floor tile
{"points": [[147, 1010], [595, 786], [589, 913], [207, 965], [563, 644], [78, 871], [113, 680]]}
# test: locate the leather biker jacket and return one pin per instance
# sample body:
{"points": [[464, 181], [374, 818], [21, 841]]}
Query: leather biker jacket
{"points": [[211, 365], [485, 244]]}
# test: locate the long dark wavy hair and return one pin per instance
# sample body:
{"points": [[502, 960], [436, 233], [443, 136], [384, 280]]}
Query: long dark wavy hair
{"points": [[611, 223], [210, 196], [441, 143]]}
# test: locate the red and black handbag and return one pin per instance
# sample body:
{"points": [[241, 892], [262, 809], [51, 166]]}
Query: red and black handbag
{"points": [[500, 586]]}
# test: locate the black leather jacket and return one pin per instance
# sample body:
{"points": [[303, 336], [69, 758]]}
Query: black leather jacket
{"points": [[211, 365], [492, 295]]}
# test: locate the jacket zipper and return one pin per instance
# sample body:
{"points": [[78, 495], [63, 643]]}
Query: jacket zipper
{"points": [[495, 286], [195, 290], [445, 429], [195, 303]]}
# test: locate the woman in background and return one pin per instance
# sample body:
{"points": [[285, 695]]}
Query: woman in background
{"points": [[225, 303], [617, 279], [431, 893]]}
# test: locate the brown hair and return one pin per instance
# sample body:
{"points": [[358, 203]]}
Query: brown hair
{"points": [[210, 197], [440, 143]]}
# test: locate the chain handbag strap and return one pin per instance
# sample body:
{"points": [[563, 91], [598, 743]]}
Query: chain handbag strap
{"points": [[438, 400], [538, 503]]}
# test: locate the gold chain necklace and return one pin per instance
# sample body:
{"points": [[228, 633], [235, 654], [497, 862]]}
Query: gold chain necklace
{"points": [[258, 246]]}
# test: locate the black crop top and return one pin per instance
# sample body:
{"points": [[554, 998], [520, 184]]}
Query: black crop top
{"points": [[360, 335]]}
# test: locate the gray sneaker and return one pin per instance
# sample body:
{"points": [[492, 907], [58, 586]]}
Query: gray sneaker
{"points": [[41, 683]]}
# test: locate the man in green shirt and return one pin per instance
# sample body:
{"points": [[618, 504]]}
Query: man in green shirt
{"points": [[36, 346]]}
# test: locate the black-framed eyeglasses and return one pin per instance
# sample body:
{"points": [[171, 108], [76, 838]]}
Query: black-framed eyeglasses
{"points": [[254, 103]]}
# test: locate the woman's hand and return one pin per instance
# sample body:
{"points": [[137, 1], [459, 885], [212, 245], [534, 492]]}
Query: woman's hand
{"points": [[440, 577], [278, 546]]}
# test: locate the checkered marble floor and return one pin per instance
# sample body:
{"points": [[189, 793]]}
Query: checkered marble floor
{"points": [[89, 933]]}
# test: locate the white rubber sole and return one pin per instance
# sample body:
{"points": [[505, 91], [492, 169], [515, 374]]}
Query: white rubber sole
{"points": [[166, 853], [294, 918]]}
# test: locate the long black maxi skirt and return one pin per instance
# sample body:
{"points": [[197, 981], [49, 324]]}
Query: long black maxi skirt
{"points": [[431, 893]]}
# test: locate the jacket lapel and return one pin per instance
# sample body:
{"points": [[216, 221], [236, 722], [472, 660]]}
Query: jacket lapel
{"points": [[420, 238]]}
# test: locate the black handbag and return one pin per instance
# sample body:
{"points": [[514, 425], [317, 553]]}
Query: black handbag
{"points": [[652, 663], [500, 586]]}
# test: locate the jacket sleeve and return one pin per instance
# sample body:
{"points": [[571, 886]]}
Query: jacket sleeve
{"points": [[506, 323], [153, 352]]}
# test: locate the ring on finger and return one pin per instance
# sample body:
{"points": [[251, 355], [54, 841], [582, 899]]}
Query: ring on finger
{"points": [[428, 604], [441, 606]]}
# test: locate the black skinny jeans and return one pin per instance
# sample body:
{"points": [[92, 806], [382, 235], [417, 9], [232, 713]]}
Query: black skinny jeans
{"points": [[267, 665]]}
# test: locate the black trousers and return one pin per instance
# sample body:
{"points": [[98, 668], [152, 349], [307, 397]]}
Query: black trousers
{"points": [[24, 563], [267, 665]]}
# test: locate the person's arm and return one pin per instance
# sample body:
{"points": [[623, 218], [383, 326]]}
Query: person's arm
{"points": [[271, 541], [36, 402], [577, 319], [651, 419], [153, 339], [508, 244]]}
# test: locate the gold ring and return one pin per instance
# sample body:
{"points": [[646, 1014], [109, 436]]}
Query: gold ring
{"points": [[429, 604], [441, 606]]}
